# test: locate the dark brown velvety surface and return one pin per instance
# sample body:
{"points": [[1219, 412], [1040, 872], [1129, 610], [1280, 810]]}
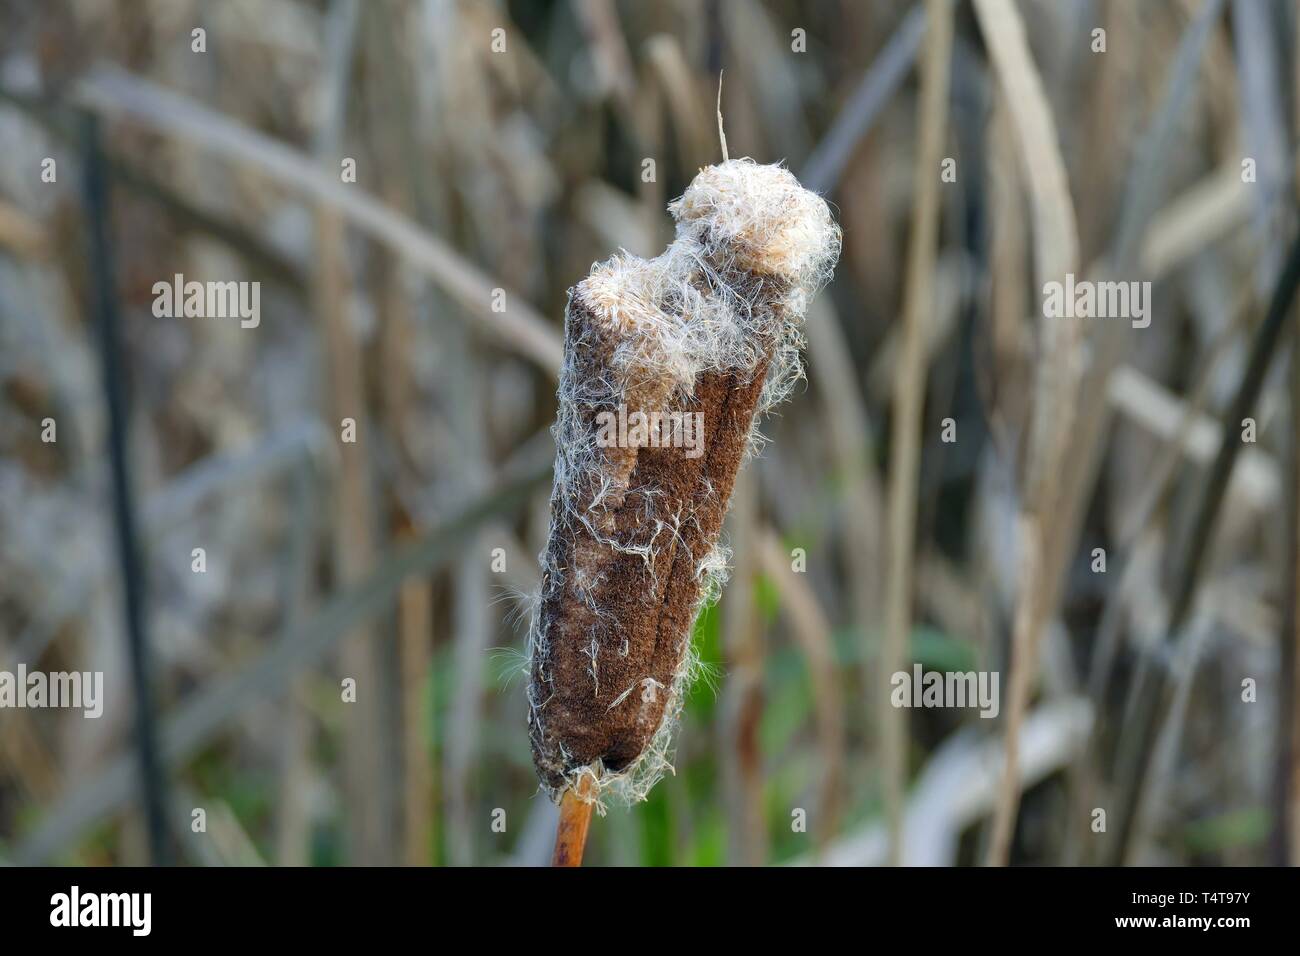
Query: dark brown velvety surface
{"points": [[647, 610]]}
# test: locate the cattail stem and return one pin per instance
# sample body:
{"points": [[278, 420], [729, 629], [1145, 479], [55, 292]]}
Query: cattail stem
{"points": [[575, 818]]}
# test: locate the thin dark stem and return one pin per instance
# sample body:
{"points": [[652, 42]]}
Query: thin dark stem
{"points": [[104, 304], [1283, 843], [1155, 701], [1261, 359]]}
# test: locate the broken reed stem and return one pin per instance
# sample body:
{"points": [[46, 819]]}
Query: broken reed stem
{"points": [[668, 364], [575, 818]]}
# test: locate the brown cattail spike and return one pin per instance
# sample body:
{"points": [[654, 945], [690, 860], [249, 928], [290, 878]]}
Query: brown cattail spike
{"points": [[706, 337]]}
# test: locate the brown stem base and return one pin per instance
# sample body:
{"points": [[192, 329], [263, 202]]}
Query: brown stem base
{"points": [[575, 817]]}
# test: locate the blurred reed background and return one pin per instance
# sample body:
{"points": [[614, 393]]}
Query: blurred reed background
{"points": [[405, 560]]}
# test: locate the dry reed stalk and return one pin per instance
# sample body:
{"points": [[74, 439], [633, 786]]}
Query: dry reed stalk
{"points": [[1080, 471], [707, 336], [470, 618], [1057, 384], [959, 784], [1143, 191], [1287, 839], [1155, 707], [353, 545], [671, 72], [293, 817], [1287, 822], [353, 542], [522, 329], [909, 397], [1208, 210], [415, 616], [613, 62], [198, 721], [741, 705], [812, 631], [1191, 434], [1004, 378], [1182, 427], [848, 431]]}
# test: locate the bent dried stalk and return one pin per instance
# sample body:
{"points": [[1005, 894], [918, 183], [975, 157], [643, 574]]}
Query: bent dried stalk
{"points": [[706, 334]]}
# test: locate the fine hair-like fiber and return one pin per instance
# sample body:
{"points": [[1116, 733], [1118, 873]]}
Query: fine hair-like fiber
{"points": [[711, 326]]}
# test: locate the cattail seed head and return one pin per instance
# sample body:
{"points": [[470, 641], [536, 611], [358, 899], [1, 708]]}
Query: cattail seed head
{"points": [[710, 328]]}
